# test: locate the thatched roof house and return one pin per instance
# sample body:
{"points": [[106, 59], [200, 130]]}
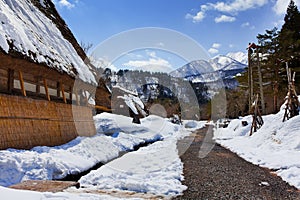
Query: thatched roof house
{"points": [[40, 62]]}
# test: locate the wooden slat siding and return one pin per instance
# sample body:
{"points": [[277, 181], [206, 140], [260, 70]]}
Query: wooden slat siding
{"points": [[46, 90], [63, 92], [26, 122], [22, 83], [10, 80]]}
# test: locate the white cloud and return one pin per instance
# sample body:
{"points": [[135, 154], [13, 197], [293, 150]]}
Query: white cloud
{"points": [[224, 18], [197, 18], [279, 23], [237, 5], [149, 62], [213, 51], [216, 45], [160, 44], [247, 25], [281, 6], [233, 8], [134, 56], [153, 63], [65, 3], [151, 54], [214, 48]]}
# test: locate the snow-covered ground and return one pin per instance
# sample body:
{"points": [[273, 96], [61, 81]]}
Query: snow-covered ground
{"points": [[276, 145], [155, 169]]}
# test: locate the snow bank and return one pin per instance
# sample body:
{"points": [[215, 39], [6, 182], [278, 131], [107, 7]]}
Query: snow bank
{"points": [[155, 169], [13, 194], [276, 145], [44, 163], [47, 163]]}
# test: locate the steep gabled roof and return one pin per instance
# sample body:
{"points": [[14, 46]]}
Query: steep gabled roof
{"points": [[32, 33]]}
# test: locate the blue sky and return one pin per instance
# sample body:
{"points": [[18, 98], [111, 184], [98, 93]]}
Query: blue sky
{"points": [[220, 26]]}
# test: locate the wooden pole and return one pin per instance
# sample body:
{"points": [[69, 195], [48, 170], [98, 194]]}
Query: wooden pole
{"points": [[86, 99], [10, 80], [63, 92], [257, 120], [249, 79], [251, 83], [22, 83], [46, 90], [261, 89]]}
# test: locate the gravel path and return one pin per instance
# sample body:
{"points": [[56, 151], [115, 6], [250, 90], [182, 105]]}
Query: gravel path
{"points": [[224, 175]]}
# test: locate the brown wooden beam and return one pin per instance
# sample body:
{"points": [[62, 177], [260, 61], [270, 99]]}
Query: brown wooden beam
{"points": [[22, 84], [71, 93], [63, 92], [58, 89], [46, 90], [10, 80], [76, 96], [37, 86]]}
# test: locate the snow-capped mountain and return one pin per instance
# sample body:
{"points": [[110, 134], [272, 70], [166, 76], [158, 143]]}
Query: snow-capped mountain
{"points": [[218, 68], [216, 73], [222, 62], [239, 56]]}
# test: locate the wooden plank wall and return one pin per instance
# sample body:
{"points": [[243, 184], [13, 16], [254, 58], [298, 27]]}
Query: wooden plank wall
{"points": [[26, 122]]}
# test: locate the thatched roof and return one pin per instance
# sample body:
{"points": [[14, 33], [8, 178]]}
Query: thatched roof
{"points": [[34, 31]]}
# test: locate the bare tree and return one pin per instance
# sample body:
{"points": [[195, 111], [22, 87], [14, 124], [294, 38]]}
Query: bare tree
{"points": [[86, 46]]}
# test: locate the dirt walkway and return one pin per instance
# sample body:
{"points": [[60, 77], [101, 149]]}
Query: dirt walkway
{"points": [[224, 175]]}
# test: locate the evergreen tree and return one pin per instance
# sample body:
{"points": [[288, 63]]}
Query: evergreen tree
{"points": [[289, 37], [271, 70]]}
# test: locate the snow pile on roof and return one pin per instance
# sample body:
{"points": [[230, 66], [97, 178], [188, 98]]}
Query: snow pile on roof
{"points": [[276, 145], [125, 90], [25, 29], [134, 103], [154, 169]]}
